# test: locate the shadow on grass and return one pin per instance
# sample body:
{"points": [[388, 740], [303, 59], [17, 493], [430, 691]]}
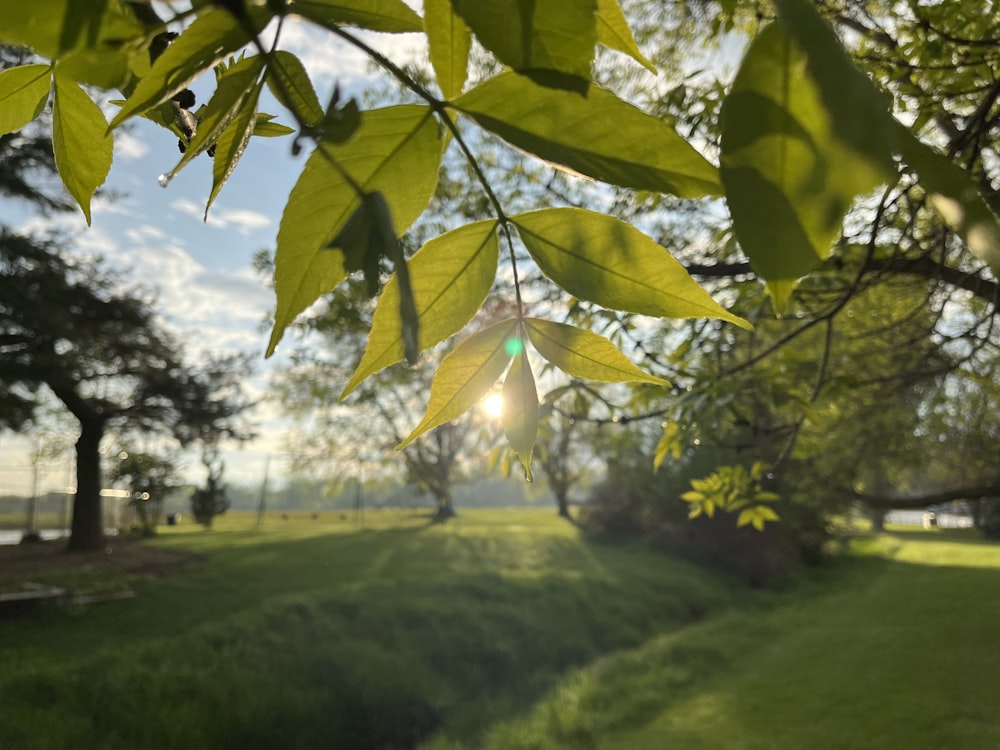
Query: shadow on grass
{"points": [[361, 639]]}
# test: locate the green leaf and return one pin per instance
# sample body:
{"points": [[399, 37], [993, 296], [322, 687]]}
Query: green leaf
{"points": [[53, 27], [551, 41], [600, 135], [862, 118], [209, 39], [107, 68], [449, 41], [232, 90], [264, 128], [746, 517], [957, 199], [452, 274], [396, 151], [613, 32], [465, 375], [789, 179], [233, 142], [691, 496], [288, 80], [82, 145], [584, 354], [23, 94], [669, 444], [392, 16], [767, 513], [520, 410], [604, 260], [766, 497], [859, 112]]}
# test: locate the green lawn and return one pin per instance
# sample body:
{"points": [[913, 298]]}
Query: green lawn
{"points": [[506, 630], [318, 634], [902, 653]]}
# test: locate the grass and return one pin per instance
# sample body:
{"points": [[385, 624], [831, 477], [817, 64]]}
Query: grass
{"points": [[899, 654], [317, 634], [506, 630]]}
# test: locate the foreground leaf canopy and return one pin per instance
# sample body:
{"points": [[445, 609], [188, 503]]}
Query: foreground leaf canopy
{"points": [[804, 136], [789, 179], [602, 259], [466, 374], [396, 152], [599, 135], [452, 274]]}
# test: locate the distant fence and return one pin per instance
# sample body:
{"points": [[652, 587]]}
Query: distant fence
{"points": [[55, 508], [916, 518]]}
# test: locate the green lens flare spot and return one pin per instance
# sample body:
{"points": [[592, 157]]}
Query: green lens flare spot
{"points": [[514, 346]]}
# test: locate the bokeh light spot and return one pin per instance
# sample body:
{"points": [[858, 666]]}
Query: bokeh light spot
{"points": [[514, 346]]}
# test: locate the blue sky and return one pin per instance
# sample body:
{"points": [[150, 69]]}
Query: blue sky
{"points": [[206, 288]]}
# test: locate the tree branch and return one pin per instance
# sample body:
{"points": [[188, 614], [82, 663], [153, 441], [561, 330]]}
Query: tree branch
{"points": [[884, 502]]}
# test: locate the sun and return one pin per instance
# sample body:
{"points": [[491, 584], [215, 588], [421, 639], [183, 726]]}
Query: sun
{"points": [[493, 405]]}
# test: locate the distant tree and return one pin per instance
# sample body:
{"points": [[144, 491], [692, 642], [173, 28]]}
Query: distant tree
{"points": [[149, 479], [73, 328], [210, 501]]}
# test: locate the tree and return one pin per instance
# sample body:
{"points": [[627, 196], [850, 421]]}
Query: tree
{"points": [[101, 352], [800, 135], [149, 479], [210, 501]]}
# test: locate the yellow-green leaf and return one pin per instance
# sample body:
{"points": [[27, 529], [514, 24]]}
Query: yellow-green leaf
{"points": [[265, 128], [549, 40], [520, 410], [613, 32], [599, 135], [233, 142], [209, 39], [451, 276], [392, 16], [862, 118], [232, 90], [669, 444], [290, 83], [789, 179], [82, 145], [465, 375], [54, 27], [602, 259], [584, 354], [396, 151], [23, 93], [449, 41]]}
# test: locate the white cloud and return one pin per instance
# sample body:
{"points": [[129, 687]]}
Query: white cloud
{"points": [[329, 59], [128, 146], [244, 221]]}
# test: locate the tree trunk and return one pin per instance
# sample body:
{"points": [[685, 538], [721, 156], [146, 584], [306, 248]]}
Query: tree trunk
{"points": [[445, 509], [978, 506], [877, 516], [87, 528], [563, 501]]}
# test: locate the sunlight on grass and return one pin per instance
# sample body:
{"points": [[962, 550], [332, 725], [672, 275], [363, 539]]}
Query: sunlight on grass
{"points": [[898, 654]]}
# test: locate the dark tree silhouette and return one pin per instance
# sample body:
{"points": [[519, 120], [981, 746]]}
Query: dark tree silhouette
{"points": [[72, 328]]}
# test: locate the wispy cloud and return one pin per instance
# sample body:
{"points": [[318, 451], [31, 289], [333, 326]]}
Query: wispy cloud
{"points": [[128, 146], [242, 220]]}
